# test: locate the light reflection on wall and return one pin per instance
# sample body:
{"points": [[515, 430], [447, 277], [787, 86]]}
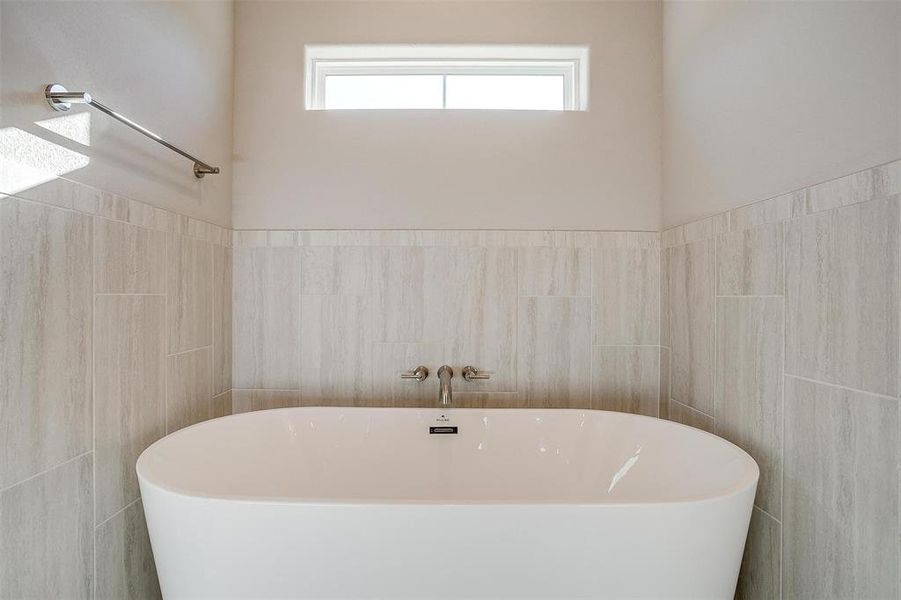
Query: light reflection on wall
{"points": [[27, 160], [76, 127]]}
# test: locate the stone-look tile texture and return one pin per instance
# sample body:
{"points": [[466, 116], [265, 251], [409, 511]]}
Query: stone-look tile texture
{"points": [[128, 259], [516, 305], [45, 338], [554, 272], [749, 262], [805, 310], [189, 303], [46, 534], [334, 350], [761, 564], [748, 407], [690, 318], [842, 296], [189, 396], [399, 311], [130, 371], [626, 379], [676, 411], [266, 313], [374, 304], [222, 319], [554, 352], [125, 568], [625, 296], [470, 305], [841, 493], [84, 277], [248, 400]]}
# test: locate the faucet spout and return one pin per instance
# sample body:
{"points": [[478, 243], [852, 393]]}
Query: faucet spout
{"points": [[445, 396]]}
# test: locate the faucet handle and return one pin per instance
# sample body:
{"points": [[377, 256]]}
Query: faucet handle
{"points": [[419, 374], [470, 373]]}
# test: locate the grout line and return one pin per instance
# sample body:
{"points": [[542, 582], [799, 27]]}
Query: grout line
{"points": [[756, 507], [45, 471], [262, 389], [782, 440], [750, 296], [842, 387], [692, 409], [716, 334], [207, 347], [93, 407], [128, 294], [591, 365], [116, 514], [166, 264], [626, 346]]}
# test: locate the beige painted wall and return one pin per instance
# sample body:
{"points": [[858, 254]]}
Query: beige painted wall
{"points": [[591, 170], [169, 65], [762, 98]]}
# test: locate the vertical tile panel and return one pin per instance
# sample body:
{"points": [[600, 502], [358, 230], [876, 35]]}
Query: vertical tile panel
{"points": [[749, 387], [749, 262], [760, 575], [190, 287], [329, 270], [129, 371], [125, 568], [128, 259], [222, 319], [691, 323], [266, 312], [470, 304], [625, 379], [554, 271], [842, 294], [663, 385], [334, 350], [189, 397], [625, 296], [46, 534], [553, 349], [841, 493], [399, 311], [45, 338]]}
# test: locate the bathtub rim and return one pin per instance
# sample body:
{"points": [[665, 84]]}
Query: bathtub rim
{"points": [[747, 481]]}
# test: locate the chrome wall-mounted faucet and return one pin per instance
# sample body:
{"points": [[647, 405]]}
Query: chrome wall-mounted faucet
{"points": [[445, 375], [445, 395]]}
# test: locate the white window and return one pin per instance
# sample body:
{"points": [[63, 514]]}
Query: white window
{"points": [[446, 77]]}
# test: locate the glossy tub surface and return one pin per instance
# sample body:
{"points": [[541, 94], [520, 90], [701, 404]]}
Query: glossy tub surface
{"points": [[367, 503]]}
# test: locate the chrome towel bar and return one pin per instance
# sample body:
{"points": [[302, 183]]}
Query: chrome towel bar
{"points": [[62, 99]]}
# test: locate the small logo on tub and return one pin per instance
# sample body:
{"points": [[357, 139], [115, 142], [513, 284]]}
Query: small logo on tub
{"points": [[443, 430]]}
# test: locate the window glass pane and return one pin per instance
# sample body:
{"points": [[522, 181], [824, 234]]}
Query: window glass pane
{"points": [[517, 92], [383, 91]]}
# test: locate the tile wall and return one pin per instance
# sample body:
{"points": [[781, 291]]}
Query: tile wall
{"points": [[559, 319], [115, 329], [775, 325], [781, 324]]}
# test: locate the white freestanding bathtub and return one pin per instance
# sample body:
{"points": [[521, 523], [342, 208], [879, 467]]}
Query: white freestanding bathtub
{"points": [[369, 503]]}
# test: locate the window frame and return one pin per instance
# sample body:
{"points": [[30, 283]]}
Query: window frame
{"points": [[570, 62]]}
